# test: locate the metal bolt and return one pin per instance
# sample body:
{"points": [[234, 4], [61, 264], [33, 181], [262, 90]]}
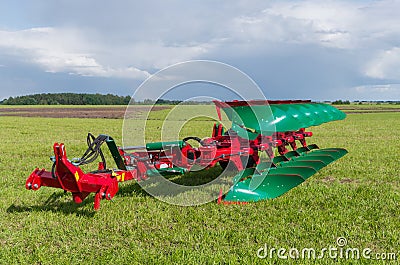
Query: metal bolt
{"points": [[36, 186], [103, 195], [29, 185], [109, 195]]}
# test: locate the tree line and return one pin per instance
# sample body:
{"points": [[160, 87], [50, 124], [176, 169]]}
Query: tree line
{"points": [[86, 99], [110, 99], [67, 99]]}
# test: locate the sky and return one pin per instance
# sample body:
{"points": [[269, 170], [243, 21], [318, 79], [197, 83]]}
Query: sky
{"points": [[320, 50]]}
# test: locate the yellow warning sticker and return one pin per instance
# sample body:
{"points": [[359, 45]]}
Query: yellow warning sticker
{"points": [[76, 176], [120, 178]]}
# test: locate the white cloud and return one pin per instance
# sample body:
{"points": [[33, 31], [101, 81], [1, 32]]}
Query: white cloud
{"points": [[138, 39], [385, 65], [158, 54], [377, 92], [335, 24], [76, 52], [361, 28], [61, 50], [377, 88], [184, 34]]}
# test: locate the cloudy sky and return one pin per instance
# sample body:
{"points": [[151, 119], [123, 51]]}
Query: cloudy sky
{"points": [[320, 50]]}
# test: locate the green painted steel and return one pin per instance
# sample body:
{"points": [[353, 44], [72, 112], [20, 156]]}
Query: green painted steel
{"points": [[335, 152], [271, 187], [243, 174], [279, 159], [291, 117], [326, 159], [266, 119], [242, 132], [258, 179], [166, 171], [315, 164], [163, 145], [115, 153], [253, 184], [291, 154]]}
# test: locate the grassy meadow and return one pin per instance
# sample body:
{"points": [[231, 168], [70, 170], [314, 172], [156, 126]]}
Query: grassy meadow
{"points": [[357, 197]]}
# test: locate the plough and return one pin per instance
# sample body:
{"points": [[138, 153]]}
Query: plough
{"points": [[259, 130]]}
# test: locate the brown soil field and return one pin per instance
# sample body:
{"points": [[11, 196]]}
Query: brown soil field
{"points": [[82, 112]]}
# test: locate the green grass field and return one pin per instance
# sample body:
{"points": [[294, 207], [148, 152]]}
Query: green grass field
{"points": [[357, 197]]}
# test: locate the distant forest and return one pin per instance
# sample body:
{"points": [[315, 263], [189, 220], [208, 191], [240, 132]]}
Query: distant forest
{"points": [[67, 99], [110, 99], [83, 99]]}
